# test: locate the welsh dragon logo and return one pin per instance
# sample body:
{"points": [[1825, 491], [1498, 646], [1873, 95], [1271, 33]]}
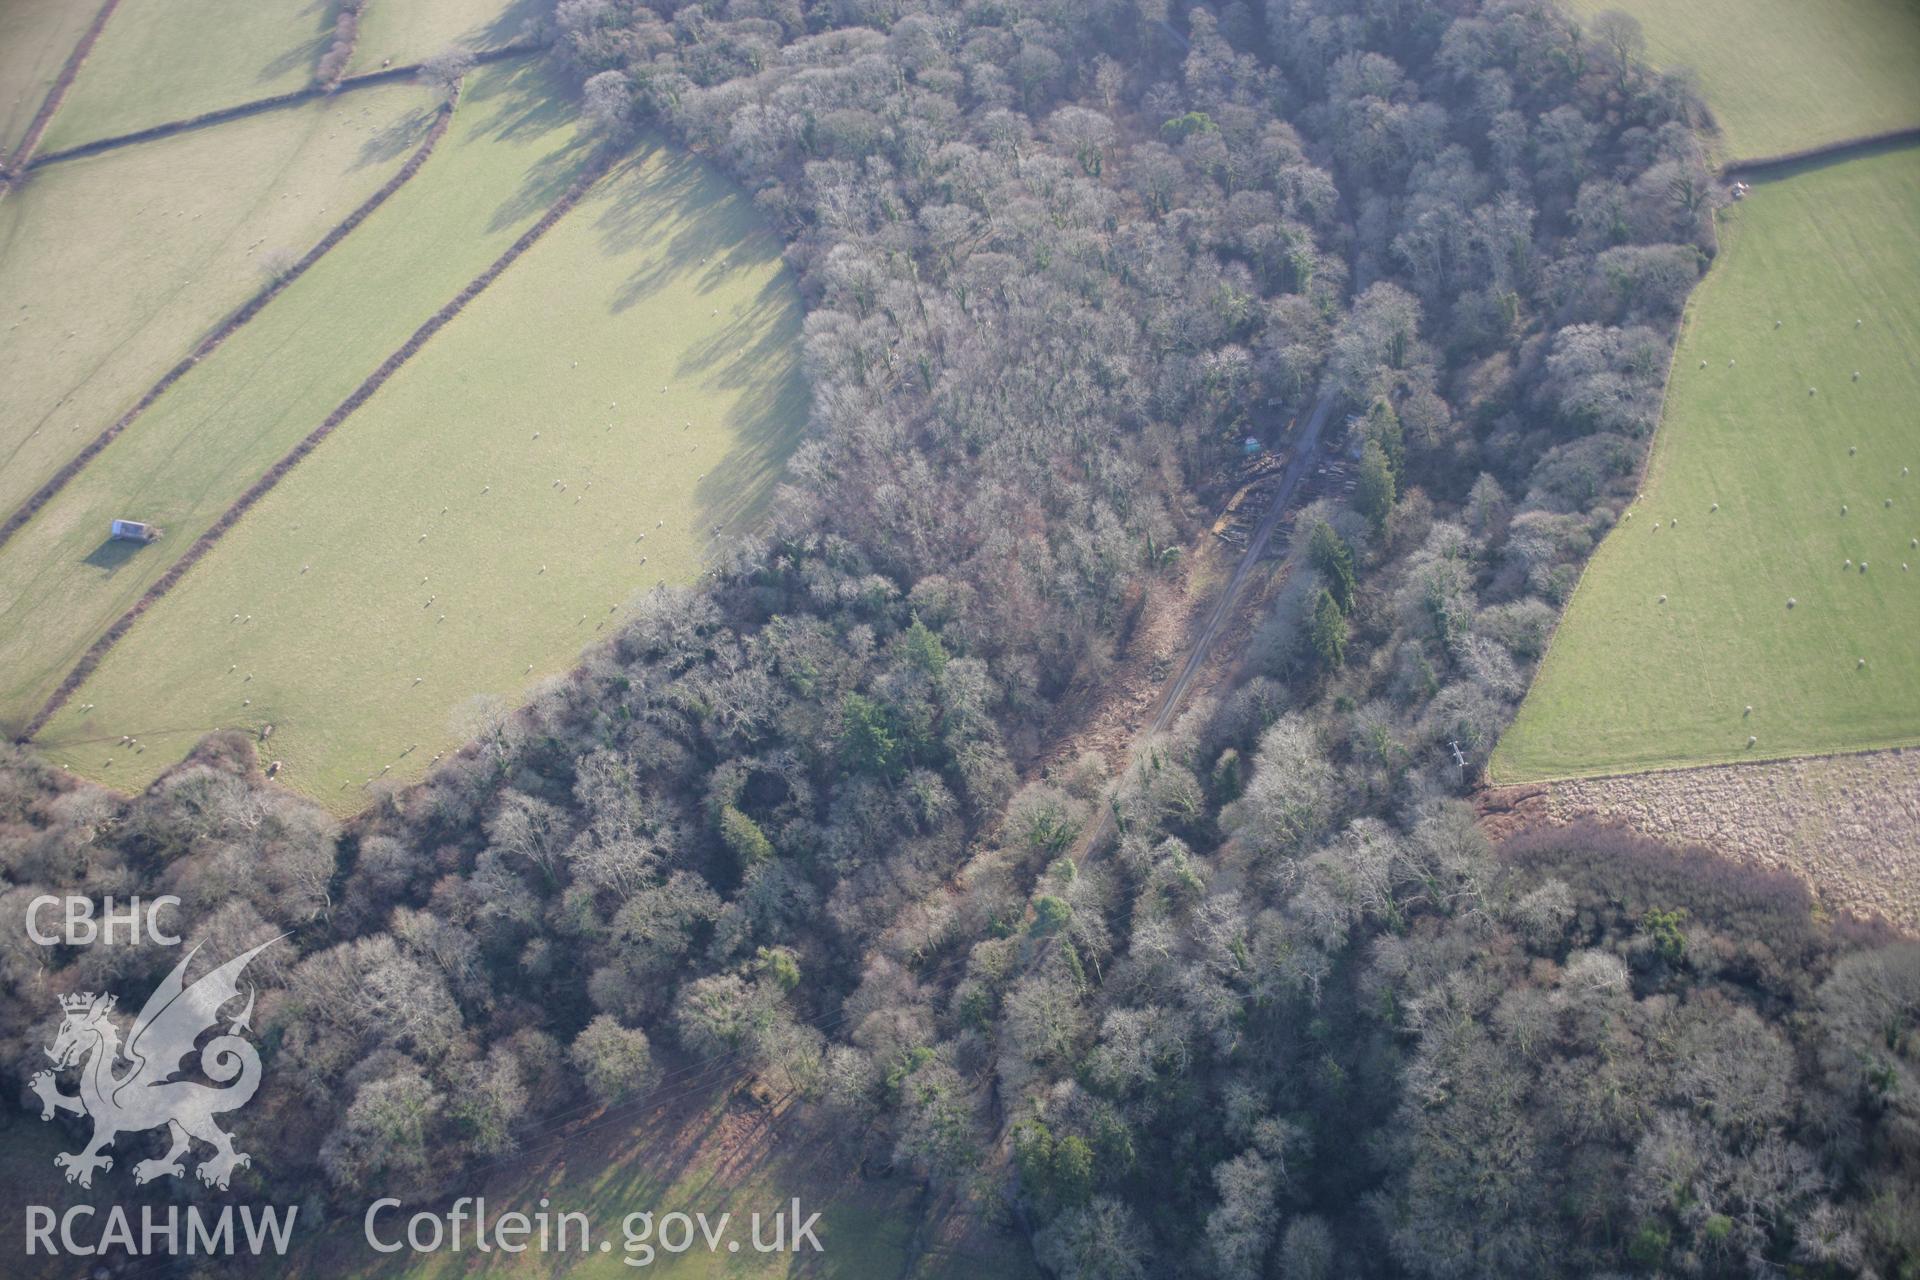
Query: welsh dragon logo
{"points": [[144, 1095]]}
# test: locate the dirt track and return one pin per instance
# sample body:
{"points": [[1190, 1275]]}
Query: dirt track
{"points": [[1219, 621], [1849, 826]]}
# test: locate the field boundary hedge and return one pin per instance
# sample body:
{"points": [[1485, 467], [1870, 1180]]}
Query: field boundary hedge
{"points": [[60, 479], [346, 36], [1641, 469], [1494, 789], [56, 94], [259, 105], [1825, 153], [260, 488]]}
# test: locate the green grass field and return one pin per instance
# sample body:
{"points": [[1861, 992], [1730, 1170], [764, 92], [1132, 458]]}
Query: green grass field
{"points": [[1785, 75], [35, 38], [418, 29], [575, 342], [1630, 683], [162, 60], [140, 252], [511, 151]]}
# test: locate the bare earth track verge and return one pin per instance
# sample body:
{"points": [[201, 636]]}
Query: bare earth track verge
{"points": [[1848, 826]]}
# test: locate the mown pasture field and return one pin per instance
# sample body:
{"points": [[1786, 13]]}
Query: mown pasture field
{"points": [[35, 38], [510, 152], [576, 434], [115, 265], [164, 60], [1786, 75], [1817, 479], [418, 29]]}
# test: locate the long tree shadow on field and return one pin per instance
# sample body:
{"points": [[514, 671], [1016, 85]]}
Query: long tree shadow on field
{"points": [[728, 231], [771, 420], [754, 358], [758, 358], [524, 99], [515, 21], [307, 52], [397, 139]]}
